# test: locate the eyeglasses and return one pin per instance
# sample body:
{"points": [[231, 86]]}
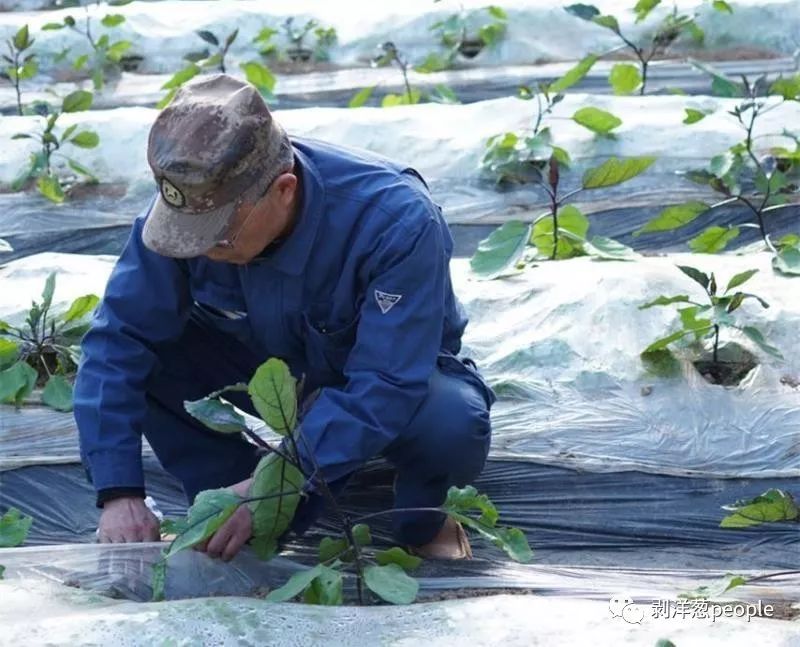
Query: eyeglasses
{"points": [[229, 243]]}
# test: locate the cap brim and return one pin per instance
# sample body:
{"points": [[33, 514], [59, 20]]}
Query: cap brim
{"points": [[174, 233]]}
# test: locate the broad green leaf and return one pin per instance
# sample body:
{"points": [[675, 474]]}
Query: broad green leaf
{"points": [[50, 187], [570, 219], [361, 97], [210, 510], [510, 540], [665, 301], [37, 163], [330, 548], [68, 132], [709, 591], [397, 555], [77, 101], [696, 275], [112, 20], [118, 49], [693, 116], [690, 321], [16, 383], [661, 363], [392, 100], [80, 307], [739, 279], [272, 390], [296, 584], [9, 351], [217, 415], [788, 88], [326, 588], [173, 526], [772, 506], [625, 78], [28, 70], [260, 76], [574, 75], [444, 94], [53, 26], [615, 171], [22, 38], [48, 291], [789, 240], [181, 76], [501, 250], [497, 12], [209, 37], [361, 534], [583, 11], [787, 261], [86, 139], [14, 527], [721, 85], [158, 580], [609, 22], [713, 240], [79, 168], [721, 5], [467, 499], [674, 217], [391, 583], [644, 7], [597, 120], [608, 249], [661, 344], [755, 335], [80, 62], [433, 62], [276, 486], [57, 393]]}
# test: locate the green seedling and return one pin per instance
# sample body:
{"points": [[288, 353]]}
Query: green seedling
{"points": [[627, 78], [562, 231], [106, 56], [387, 55], [703, 321], [761, 178], [50, 185], [14, 528], [298, 51], [465, 34], [279, 483], [44, 351], [198, 62], [21, 65]]}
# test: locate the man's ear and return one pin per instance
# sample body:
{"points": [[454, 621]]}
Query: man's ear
{"points": [[283, 188]]}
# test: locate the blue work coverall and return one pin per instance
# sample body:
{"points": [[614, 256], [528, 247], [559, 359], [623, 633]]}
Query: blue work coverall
{"points": [[357, 299]]}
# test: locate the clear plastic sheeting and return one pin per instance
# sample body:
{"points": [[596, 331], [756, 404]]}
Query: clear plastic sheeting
{"points": [[564, 359], [65, 616], [537, 29], [444, 142]]}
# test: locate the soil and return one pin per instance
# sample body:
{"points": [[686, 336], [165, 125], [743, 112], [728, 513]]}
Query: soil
{"points": [[723, 373]]}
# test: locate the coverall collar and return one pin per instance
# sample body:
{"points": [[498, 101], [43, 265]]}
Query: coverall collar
{"points": [[291, 256]]}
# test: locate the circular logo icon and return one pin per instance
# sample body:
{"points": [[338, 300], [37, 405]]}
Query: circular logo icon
{"points": [[172, 194]]}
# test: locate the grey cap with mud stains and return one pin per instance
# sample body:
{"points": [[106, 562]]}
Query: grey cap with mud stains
{"points": [[215, 146]]}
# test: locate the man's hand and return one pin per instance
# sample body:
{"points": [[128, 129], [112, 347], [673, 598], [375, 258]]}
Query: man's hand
{"points": [[235, 532], [127, 519]]}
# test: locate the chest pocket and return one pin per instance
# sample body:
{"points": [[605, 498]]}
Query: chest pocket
{"points": [[327, 345], [224, 308]]}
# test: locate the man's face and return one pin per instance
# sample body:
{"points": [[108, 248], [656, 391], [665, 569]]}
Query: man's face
{"points": [[256, 225]]}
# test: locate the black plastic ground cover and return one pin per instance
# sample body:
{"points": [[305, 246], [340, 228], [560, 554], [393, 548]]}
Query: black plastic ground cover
{"points": [[623, 519], [109, 231]]}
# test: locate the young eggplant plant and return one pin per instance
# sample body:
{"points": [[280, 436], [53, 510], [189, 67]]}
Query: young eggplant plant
{"points": [[627, 78], [388, 54], [21, 66], [204, 60], [106, 56], [50, 185], [761, 178], [465, 34], [14, 528], [704, 321], [44, 351], [279, 483]]}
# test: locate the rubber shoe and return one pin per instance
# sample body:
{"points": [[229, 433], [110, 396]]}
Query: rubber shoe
{"points": [[451, 543]]}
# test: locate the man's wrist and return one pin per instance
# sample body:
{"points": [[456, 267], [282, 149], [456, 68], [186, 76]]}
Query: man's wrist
{"points": [[109, 494]]}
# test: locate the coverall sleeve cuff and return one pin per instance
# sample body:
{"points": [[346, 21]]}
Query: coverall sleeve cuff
{"points": [[115, 469]]}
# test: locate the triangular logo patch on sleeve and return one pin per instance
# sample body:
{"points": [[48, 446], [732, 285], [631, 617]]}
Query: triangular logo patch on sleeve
{"points": [[386, 301]]}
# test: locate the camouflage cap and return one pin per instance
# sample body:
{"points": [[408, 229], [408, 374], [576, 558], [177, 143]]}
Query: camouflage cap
{"points": [[213, 145]]}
